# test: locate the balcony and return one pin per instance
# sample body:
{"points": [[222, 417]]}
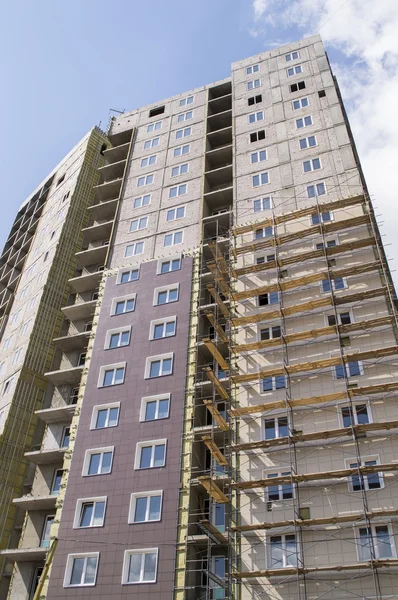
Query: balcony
{"points": [[219, 198], [68, 343], [79, 311], [220, 104], [218, 179], [47, 457], [219, 157], [86, 282], [58, 414], [30, 502], [121, 137], [25, 554], [113, 155], [92, 256], [67, 376], [219, 138], [219, 121], [103, 210], [108, 190], [98, 231], [112, 171]]}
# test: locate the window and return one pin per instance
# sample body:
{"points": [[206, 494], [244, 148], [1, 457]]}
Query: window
{"points": [[98, 461], [343, 318], [14, 318], [37, 573], [260, 179], [115, 338], [131, 275], [270, 298], [186, 101], [2, 366], [337, 283], [255, 83], [329, 244], [181, 133], [254, 100], [65, 439], [252, 69], [282, 491], [163, 328], [123, 305], [352, 369], [358, 414], [283, 551], [112, 375], [311, 165], [378, 537], [60, 180], [278, 382], [166, 266], [56, 483], [149, 160], [159, 366], [303, 122], [185, 116], [172, 239], [81, 569], [182, 150], [263, 232], [262, 204], [142, 201], [145, 180], [105, 415], [166, 295], [134, 249], [145, 507], [140, 566], [316, 190], [23, 293], [324, 217], [8, 385], [17, 356], [90, 512], [256, 136], [308, 142], [7, 342], [26, 326], [151, 144], [150, 455], [300, 103], [180, 170], [294, 70], [369, 481], [45, 536], [276, 428], [270, 333], [292, 56], [154, 112], [154, 126], [257, 116], [178, 190], [175, 213], [137, 224], [74, 395], [154, 408], [259, 156]]}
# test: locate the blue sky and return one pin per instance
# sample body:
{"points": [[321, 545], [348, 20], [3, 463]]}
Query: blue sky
{"points": [[65, 64]]}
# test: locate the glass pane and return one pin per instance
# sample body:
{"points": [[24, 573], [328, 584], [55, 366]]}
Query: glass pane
{"points": [[219, 567], [267, 384], [77, 571], [270, 430], [163, 409], [146, 455], [280, 382], [108, 377], [283, 427], [219, 517], [170, 328], [167, 366], [154, 508], [339, 372], [158, 331], [119, 375], [291, 551], [354, 369], [140, 510], [119, 308], [94, 464], [150, 410], [175, 264], [130, 305], [106, 462], [57, 482], [86, 514], [99, 513], [347, 416], [159, 455], [162, 297], [101, 418], [382, 543], [90, 570], [45, 540], [165, 267], [365, 543], [155, 369], [149, 567], [125, 338], [173, 295], [277, 553], [113, 417], [362, 414]]}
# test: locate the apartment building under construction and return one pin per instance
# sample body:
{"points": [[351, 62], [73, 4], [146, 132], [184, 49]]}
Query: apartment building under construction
{"points": [[214, 414]]}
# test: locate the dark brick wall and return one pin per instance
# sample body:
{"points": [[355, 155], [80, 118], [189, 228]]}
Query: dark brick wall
{"points": [[117, 535]]}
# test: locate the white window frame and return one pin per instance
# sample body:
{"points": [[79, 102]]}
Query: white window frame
{"points": [[321, 218], [304, 124], [126, 561], [123, 272], [87, 455], [117, 330], [300, 101], [289, 57], [146, 161], [133, 502], [146, 399], [175, 208], [262, 203], [185, 132], [364, 459], [285, 558], [163, 322], [372, 527], [142, 198], [278, 473], [173, 235], [354, 412], [161, 261], [186, 101], [97, 409], [103, 368], [179, 193], [154, 126], [255, 117], [115, 302], [300, 70], [311, 161], [145, 178], [347, 366], [179, 167], [166, 288], [307, 142], [69, 567], [78, 511], [257, 154], [339, 311], [252, 69], [8, 385], [134, 245], [138, 220], [181, 150], [345, 286], [259, 175], [17, 355], [185, 116], [150, 143], [270, 328], [146, 444], [314, 185], [155, 358], [251, 85], [273, 383]]}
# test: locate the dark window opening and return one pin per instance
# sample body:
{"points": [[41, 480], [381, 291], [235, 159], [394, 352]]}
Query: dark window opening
{"points": [[154, 112], [257, 136], [103, 148], [60, 180], [254, 100], [295, 87], [263, 300], [322, 94]]}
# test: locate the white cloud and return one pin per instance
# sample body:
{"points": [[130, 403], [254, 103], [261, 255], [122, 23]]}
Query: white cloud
{"points": [[365, 32]]}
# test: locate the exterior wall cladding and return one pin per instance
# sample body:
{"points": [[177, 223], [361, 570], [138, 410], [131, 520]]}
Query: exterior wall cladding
{"points": [[277, 461]]}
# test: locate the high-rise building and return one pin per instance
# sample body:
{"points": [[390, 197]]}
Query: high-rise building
{"points": [[219, 401]]}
